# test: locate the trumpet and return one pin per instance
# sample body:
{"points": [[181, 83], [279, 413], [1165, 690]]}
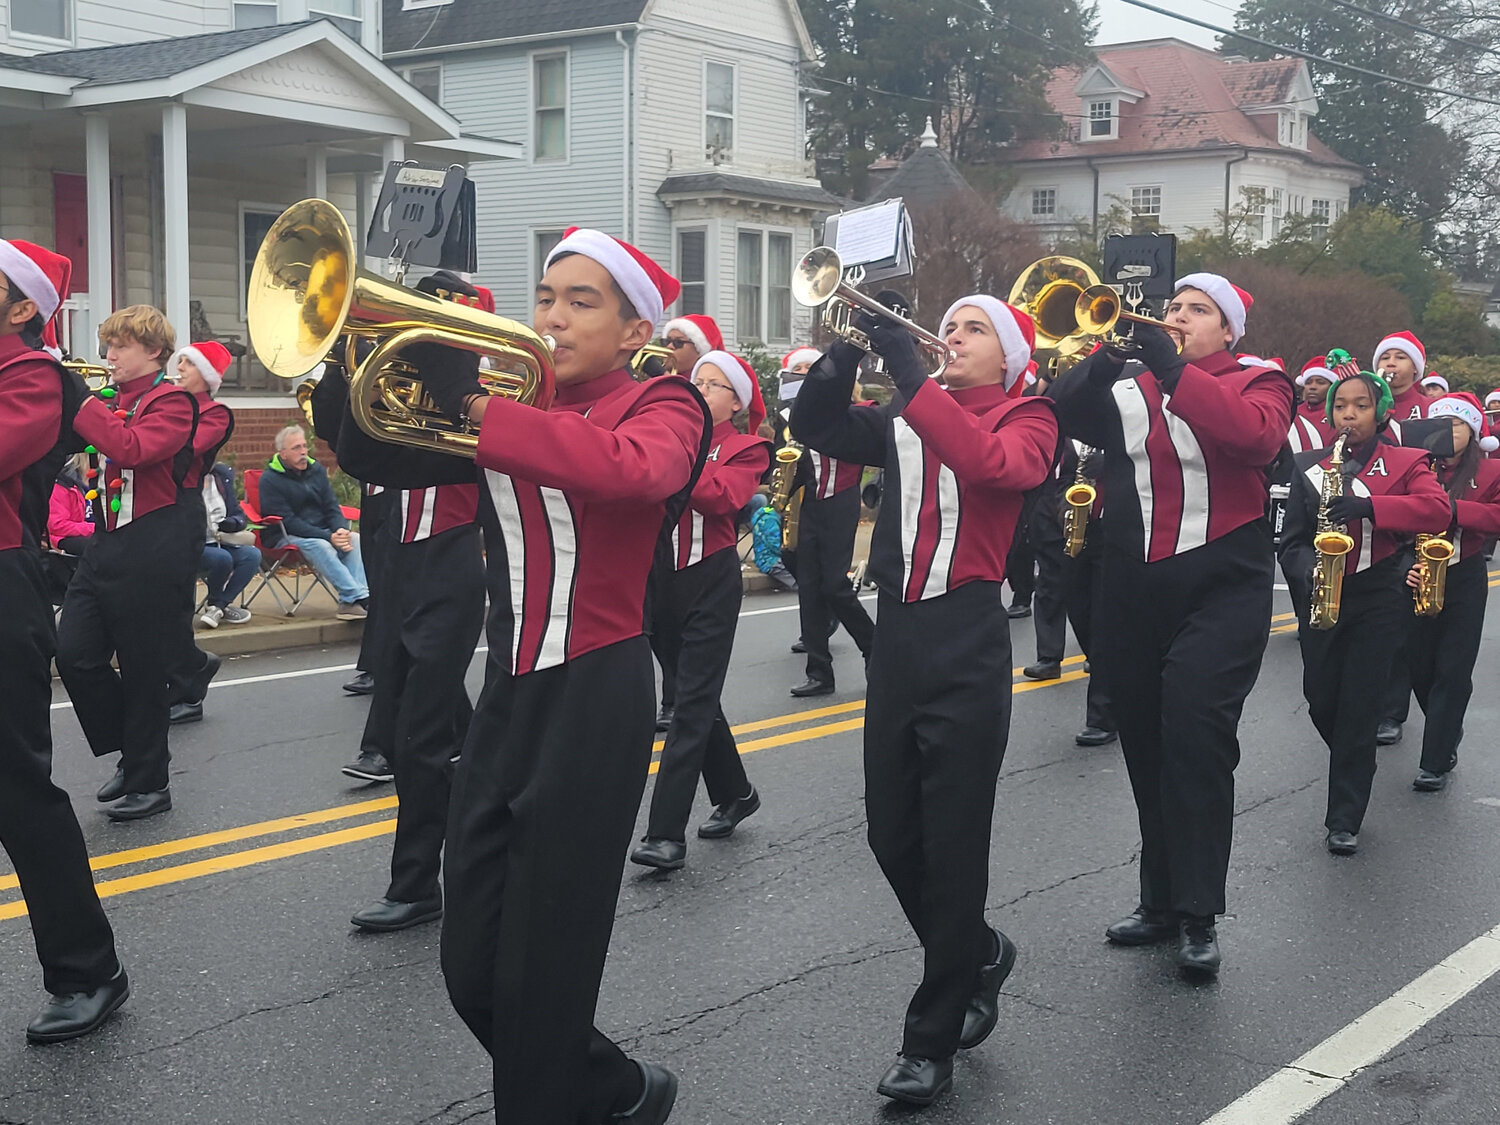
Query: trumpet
{"points": [[1433, 553], [1332, 542], [821, 280], [307, 295], [653, 360], [94, 375], [1072, 309], [1079, 497]]}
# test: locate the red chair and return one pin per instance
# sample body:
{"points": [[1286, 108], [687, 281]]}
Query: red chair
{"points": [[281, 562]]}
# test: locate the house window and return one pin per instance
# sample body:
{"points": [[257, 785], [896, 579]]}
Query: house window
{"points": [[254, 13], [1043, 202], [427, 81], [544, 241], [763, 295], [1321, 209], [692, 271], [779, 296], [1101, 120], [1275, 212], [718, 111], [47, 19], [748, 272], [549, 84], [1146, 200], [255, 222], [343, 14]]}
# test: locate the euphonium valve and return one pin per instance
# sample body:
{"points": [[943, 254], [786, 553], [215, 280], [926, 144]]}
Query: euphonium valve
{"points": [[1433, 553]]}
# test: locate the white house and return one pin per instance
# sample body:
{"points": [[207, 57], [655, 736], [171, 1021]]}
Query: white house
{"points": [[675, 124], [154, 141], [1177, 133]]}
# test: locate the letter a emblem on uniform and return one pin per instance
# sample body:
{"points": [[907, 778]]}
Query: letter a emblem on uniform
{"points": [[1379, 467], [713, 454]]}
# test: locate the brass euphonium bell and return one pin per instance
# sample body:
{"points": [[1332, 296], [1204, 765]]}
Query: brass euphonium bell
{"points": [[307, 294], [1072, 308]]}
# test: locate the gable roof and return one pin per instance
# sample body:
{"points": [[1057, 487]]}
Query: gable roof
{"points": [[926, 176], [1195, 99], [464, 23], [141, 62]]}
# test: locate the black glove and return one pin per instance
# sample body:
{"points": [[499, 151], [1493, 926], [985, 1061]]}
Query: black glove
{"points": [[903, 361], [232, 523], [1351, 509], [1156, 348], [1103, 367], [446, 282], [449, 375]]}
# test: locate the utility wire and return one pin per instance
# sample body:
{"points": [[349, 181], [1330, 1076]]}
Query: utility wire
{"points": [[1399, 22]]}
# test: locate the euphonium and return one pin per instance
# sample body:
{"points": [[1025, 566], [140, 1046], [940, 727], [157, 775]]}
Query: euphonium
{"points": [[787, 506], [1079, 497], [1433, 553], [1332, 542], [1072, 309], [307, 294]]}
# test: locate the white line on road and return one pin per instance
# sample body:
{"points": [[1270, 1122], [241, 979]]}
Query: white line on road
{"points": [[1328, 1067]]}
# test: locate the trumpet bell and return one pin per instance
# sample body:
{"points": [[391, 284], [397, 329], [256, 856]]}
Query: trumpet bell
{"points": [[817, 276]]}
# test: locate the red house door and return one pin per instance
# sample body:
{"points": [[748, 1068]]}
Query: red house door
{"points": [[70, 224]]}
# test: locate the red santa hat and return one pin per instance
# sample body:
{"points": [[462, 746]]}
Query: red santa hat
{"points": [[795, 356], [742, 378], [1493, 396], [38, 273], [210, 357], [1233, 301], [484, 298], [700, 330], [1465, 407], [645, 284], [1016, 330], [1317, 366], [1275, 362], [1436, 380], [1404, 342]]}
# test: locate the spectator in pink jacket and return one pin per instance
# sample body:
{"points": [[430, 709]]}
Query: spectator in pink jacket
{"points": [[70, 513]]}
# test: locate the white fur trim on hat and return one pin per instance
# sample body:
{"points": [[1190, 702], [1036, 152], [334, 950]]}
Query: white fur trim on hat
{"points": [[29, 278], [733, 370], [800, 355], [1436, 381], [1320, 372], [200, 361], [1465, 412], [1403, 344], [691, 331], [1223, 294], [1002, 319], [1493, 396], [633, 281]]}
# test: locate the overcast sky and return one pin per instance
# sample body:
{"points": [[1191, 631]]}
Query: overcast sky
{"points": [[1120, 22]]}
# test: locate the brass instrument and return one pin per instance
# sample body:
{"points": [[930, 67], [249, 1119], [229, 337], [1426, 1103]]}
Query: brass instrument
{"points": [[653, 360], [307, 293], [94, 375], [304, 399], [788, 506], [1072, 308], [1433, 553], [1079, 497], [1332, 543], [820, 280]]}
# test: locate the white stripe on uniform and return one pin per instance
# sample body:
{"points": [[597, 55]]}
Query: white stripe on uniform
{"points": [[911, 464], [508, 512], [564, 564], [1193, 530], [1135, 424]]}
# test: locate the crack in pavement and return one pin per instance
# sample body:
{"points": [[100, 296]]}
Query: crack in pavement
{"points": [[1250, 808], [434, 1118], [1126, 862]]}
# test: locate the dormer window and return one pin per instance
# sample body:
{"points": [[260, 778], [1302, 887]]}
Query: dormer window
{"points": [[1292, 128], [1102, 121]]}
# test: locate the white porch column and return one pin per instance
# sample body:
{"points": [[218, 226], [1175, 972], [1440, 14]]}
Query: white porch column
{"points": [[392, 148], [101, 242], [176, 257], [317, 171]]}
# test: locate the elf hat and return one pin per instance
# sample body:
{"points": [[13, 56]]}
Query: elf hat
{"points": [[645, 284], [211, 358], [700, 330], [1436, 380], [1406, 343], [1233, 301], [1316, 366], [1016, 330], [742, 378]]}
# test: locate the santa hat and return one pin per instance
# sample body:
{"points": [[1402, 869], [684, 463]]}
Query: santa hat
{"points": [[1465, 407], [1406, 343], [700, 330], [645, 284], [211, 358], [484, 298], [808, 356], [1233, 301], [1317, 366], [1493, 396], [1436, 380], [1016, 330], [742, 378], [38, 273], [1275, 362]]}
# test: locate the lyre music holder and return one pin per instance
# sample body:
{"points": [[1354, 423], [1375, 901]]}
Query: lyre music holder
{"points": [[424, 217], [1142, 267]]}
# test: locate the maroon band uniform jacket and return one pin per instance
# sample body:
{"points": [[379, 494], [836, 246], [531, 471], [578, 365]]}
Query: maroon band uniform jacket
{"points": [[1310, 429], [147, 453], [731, 474], [421, 513], [1478, 510], [31, 407]]}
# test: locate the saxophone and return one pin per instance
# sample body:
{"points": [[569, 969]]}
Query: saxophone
{"points": [[1332, 542], [1079, 497], [787, 506], [1433, 553]]}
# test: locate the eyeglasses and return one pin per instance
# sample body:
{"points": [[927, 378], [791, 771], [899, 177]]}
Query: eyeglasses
{"points": [[675, 343], [705, 385]]}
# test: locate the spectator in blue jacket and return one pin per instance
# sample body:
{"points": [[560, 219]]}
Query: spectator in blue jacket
{"points": [[230, 557], [765, 528], [295, 488]]}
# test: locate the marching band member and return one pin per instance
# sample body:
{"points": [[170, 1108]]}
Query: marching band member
{"points": [[1400, 359], [1435, 386], [126, 599], [1444, 649], [695, 620], [545, 795], [1187, 582], [1389, 493], [74, 942], [1310, 429], [957, 462]]}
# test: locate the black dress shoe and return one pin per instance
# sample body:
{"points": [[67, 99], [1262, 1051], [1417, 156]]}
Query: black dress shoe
{"points": [[369, 767], [1142, 927], [916, 1081], [1388, 733], [362, 684], [664, 718], [1095, 736], [1198, 946], [1043, 670], [724, 819], [68, 1017], [1343, 843], [186, 713], [653, 851], [114, 788], [1019, 609], [197, 687], [798, 647], [386, 915], [657, 1098], [812, 687], [983, 1011], [1429, 782], [138, 806]]}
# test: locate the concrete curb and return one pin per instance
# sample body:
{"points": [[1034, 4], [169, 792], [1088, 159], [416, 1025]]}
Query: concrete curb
{"points": [[238, 640]]}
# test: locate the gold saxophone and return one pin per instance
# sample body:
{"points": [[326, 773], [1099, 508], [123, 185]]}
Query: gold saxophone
{"points": [[1079, 497], [787, 506], [1332, 542], [1433, 553]]}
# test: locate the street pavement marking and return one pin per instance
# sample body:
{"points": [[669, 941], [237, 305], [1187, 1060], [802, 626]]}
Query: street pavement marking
{"points": [[1328, 1067]]}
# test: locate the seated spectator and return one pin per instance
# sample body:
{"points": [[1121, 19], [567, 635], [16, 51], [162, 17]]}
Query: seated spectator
{"points": [[70, 512], [230, 557], [295, 488], [765, 529]]}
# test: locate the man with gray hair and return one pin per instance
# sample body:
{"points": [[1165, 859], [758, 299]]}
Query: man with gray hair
{"points": [[295, 488]]}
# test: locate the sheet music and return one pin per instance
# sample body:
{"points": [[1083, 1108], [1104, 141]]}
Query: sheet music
{"points": [[870, 234]]}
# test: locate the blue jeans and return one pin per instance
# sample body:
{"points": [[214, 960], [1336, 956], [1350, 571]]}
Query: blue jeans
{"points": [[343, 570], [230, 567]]}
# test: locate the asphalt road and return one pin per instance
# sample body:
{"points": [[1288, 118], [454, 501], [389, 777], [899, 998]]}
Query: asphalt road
{"points": [[773, 972]]}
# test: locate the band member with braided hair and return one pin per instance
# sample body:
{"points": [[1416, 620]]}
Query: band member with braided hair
{"points": [[957, 461], [1186, 437]]}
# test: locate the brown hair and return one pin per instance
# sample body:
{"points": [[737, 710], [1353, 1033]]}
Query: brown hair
{"points": [[140, 324]]}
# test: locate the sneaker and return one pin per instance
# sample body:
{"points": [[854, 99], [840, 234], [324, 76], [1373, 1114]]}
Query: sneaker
{"points": [[351, 611], [235, 615], [211, 616], [370, 767]]}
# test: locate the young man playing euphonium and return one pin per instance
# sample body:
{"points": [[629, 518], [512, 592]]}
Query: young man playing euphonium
{"points": [[957, 459]]}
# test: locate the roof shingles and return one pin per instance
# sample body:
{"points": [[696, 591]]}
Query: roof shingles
{"points": [[462, 22], [144, 62]]}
